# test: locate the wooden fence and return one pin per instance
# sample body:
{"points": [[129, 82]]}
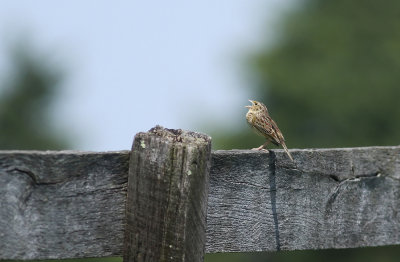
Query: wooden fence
{"points": [[172, 199]]}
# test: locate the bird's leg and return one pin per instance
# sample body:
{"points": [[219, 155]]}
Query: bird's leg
{"points": [[262, 147]]}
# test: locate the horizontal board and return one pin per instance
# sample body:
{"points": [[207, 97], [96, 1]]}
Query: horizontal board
{"points": [[62, 204], [326, 198], [71, 204]]}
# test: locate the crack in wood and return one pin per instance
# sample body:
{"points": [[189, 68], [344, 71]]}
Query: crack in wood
{"points": [[32, 176], [341, 182], [272, 185], [354, 177]]}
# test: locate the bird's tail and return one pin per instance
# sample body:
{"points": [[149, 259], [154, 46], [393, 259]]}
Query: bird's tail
{"points": [[287, 151]]}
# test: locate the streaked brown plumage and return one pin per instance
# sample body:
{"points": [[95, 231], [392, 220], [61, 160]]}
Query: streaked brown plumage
{"points": [[259, 119]]}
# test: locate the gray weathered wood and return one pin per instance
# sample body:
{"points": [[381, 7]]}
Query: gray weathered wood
{"points": [[167, 196], [61, 204], [328, 198], [72, 204]]}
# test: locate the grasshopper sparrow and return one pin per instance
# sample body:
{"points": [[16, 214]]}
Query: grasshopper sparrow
{"points": [[259, 119]]}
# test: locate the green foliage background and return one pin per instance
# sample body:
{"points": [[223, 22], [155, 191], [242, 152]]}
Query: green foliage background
{"points": [[26, 97], [331, 77]]}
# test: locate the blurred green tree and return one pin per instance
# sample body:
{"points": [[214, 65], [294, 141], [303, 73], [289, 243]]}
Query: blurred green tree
{"points": [[26, 97], [330, 77]]}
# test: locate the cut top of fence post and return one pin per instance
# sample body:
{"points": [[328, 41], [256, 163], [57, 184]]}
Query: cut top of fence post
{"points": [[177, 135], [167, 196]]}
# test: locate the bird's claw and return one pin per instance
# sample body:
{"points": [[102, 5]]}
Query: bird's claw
{"points": [[260, 149]]}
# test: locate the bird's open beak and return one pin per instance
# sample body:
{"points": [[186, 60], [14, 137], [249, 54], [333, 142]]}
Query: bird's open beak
{"points": [[252, 103]]}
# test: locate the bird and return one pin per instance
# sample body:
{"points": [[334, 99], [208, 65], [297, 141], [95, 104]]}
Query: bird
{"points": [[259, 119]]}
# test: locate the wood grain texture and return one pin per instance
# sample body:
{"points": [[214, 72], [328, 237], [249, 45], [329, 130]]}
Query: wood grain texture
{"points": [[62, 204], [167, 196], [327, 198], [72, 204]]}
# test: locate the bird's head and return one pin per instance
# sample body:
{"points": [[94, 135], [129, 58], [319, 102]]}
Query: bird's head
{"points": [[256, 107]]}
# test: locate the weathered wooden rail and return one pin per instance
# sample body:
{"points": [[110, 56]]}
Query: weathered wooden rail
{"points": [[80, 204]]}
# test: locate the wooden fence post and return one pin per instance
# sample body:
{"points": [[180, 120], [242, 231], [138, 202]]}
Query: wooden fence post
{"points": [[167, 196]]}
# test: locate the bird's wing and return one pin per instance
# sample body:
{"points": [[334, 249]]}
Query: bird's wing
{"points": [[278, 134], [268, 128]]}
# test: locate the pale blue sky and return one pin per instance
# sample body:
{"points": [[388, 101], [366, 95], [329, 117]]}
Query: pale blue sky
{"points": [[132, 65]]}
